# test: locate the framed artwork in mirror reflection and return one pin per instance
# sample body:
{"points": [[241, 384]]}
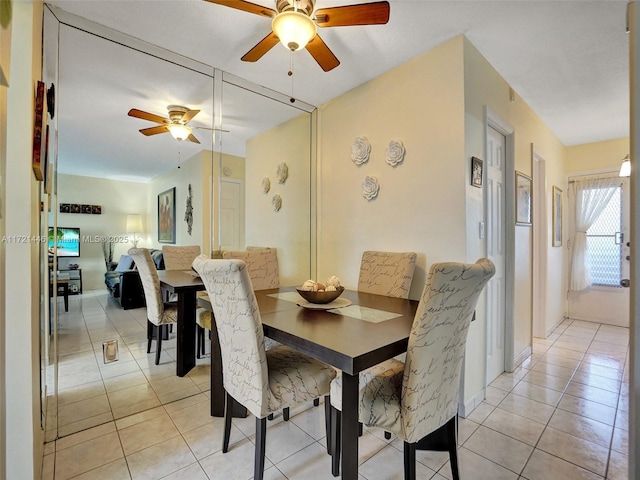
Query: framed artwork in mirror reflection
{"points": [[476, 172], [167, 216], [523, 199]]}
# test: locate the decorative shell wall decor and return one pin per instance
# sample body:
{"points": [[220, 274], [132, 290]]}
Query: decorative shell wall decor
{"points": [[276, 201], [282, 173], [394, 153], [266, 185], [370, 187], [360, 150]]}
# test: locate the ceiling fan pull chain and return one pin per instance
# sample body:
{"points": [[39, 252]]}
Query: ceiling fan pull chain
{"points": [[179, 159], [290, 73]]}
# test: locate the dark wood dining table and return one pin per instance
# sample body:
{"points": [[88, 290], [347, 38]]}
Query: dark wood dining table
{"points": [[373, 329], [185, 285]]}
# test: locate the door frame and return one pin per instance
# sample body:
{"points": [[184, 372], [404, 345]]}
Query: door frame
{"points": [[540, 232], [493, 120]]}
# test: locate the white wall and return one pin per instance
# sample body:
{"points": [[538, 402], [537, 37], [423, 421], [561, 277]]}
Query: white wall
{"points": [[288, 230], [117, 199], [24, 444]]}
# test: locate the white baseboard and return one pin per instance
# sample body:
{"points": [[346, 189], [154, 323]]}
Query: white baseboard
{"points": [[526, 353], [465, 409], [550, 330]]}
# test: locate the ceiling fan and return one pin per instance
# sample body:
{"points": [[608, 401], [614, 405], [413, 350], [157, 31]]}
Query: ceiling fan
{"points": [[176, 124], [295, 25]]}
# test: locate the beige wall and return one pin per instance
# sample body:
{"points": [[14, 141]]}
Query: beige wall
{"points": [[597, 156], [484, 87], [288, 230], [21, 341], [421, 204], [117, 199]]}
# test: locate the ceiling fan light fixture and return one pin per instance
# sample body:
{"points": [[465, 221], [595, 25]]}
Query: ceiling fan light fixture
{"points": [[179, 131], [625, 168], [294, 29]]}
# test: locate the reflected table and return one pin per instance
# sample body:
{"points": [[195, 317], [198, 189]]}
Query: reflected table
{"points": [[185, 285], [372, 329]]}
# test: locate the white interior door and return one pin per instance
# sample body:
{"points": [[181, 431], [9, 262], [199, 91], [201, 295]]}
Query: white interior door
{"points": [[539, 247], [495, 211], [231, 214]]}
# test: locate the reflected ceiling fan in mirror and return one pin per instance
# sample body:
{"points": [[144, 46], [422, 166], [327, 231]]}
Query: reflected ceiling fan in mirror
{"points": [[295, 25], [176, 124]]}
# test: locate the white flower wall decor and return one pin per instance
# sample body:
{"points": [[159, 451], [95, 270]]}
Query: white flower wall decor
{"points": [[282, 172], [370, 187], [394, 153], [276, 201], [266, 185], [360, 150]]}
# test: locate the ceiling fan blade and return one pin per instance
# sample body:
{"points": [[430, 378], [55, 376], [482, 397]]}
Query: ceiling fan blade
{"points": [[154, 130], [193, 139], [325, 57], [186, 118], [246, 7], [134, 112], [376, 13], [263, 46]]}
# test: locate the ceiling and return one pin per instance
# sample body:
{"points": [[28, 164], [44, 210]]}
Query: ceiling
{"points": [[567, 59]]}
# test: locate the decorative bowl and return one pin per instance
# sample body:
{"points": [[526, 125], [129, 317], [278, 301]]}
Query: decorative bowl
{"points": [[320, 297]]}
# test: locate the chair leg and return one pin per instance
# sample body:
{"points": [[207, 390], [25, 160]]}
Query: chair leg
{"points": [[261, 437], [199, 340], [159, 334], [452, 439], [228, 415], [270, 417], [316, 402], [360, 429], [387, 435], [409, 461], [327, 421], [285, 414], [336, 434], [150, 327]]}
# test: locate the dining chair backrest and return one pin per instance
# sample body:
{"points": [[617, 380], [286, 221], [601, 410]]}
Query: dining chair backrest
{"points": [[179, 257], [436, 345], [387, 273], [262, 266], [235, 308], [150, 283]]}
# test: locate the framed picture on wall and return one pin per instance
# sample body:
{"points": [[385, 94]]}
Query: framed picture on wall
{"points": [[523, 199], [476, 172], [557, 217], [167, 216]]}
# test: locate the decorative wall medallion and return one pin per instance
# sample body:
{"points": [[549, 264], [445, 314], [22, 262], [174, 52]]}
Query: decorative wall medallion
{"points": [[266, 185], [188, 213], [360, 150], [370, 188], [276, 201], [394, 153], [282, 173]]}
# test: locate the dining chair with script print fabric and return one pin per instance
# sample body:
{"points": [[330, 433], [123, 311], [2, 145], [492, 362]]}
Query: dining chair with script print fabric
{"points": [[387, 273], [418, 400], [159, 314], [263, 381]]}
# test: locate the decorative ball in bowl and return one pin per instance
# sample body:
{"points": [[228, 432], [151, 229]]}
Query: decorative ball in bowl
{"points": [[321, 296]]}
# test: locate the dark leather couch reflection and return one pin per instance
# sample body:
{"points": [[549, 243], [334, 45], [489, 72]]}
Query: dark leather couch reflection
{"points": [[124, 281]]}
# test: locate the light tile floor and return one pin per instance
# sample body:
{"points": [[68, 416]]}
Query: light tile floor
{"points": [[562, 414]]}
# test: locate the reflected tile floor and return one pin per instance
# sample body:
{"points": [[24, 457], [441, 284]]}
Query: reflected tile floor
{"points": [[562, 414]]}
